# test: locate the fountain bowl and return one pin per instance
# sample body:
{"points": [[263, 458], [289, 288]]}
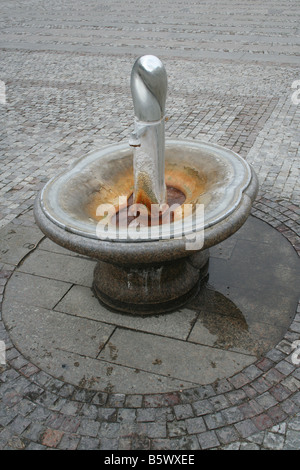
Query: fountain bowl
{"points": [[155, 269]]}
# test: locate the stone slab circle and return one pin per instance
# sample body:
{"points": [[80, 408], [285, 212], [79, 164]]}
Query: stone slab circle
{"points": [[54, 319]]}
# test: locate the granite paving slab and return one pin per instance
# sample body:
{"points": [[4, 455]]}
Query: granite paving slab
{"points": [[274, 308], [173, 358], [213, 329], [92, 374], [82, 302], [61, 267], [68, 348], [15, 242], [36, 290], [39, 331]]}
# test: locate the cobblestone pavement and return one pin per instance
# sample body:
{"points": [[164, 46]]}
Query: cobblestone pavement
{"points": [[66, 68]]}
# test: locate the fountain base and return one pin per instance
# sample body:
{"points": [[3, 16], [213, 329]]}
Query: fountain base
{"points": [[150, 289]]}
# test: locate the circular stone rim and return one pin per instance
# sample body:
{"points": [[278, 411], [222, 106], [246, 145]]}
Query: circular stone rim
{"points": [[153, 250], [242, 172]]}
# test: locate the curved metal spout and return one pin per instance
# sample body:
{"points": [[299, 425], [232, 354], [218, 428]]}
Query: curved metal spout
{"points": [[149, 91], [149, 88]]}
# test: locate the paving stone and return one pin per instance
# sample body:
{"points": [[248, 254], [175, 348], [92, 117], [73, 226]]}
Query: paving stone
{"points": [[89, 411], [250, 408], [223, 386], [88, 443], [100, 398], [39, 414], [70, 424], [252, 372], [183, 411], [51, 438], [134, 401], [107, 414], [294, 423], [232, 414], [215, 420], [62, 268], [89, 428], [147, 414], [289, 407], [86, 396], [236, 397], [88, 372], [116, 400], [257, 437], [198, 393], [45, 331], [109, 430], [69, 442], [195, 425], [273, 441], [109, 444], [239, 380], [15, 443], [82, 302], [233, 446], [246, 428], [248, 446], [202, 407], [55, 420], [139, 442], [292, 440], [266, 400], [162, 444], [34, 446], [71, 408], [284, 367], [159, 430], [273, 376], [176, 428], [17, 243], [161, 356], [262, 421], [126, 415], [208, 439], [227, 435], [279, 428], [35, 290], [280, 392], [19, 424]]}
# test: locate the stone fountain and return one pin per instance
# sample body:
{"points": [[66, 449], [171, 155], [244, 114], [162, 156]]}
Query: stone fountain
{"points": [[148, 211]]}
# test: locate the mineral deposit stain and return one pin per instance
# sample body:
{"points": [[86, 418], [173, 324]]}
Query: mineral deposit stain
{"points": [[157, 362], [113, 351]]}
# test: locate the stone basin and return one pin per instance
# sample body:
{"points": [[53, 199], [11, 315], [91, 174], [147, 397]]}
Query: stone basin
{"points": [[160, 267]]}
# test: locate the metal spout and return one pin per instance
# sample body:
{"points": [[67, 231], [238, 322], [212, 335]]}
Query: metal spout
{"points": [[149, 91]]}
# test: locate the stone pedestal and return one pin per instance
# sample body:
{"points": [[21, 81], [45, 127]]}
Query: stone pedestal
{"points": [[150, 288]]}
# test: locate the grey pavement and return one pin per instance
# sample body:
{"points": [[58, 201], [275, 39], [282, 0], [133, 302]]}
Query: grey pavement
{"points": [[70, 380]]}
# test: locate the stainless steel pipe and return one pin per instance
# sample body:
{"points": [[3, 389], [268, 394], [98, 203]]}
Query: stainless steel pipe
{"points": [[149, 92]]}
